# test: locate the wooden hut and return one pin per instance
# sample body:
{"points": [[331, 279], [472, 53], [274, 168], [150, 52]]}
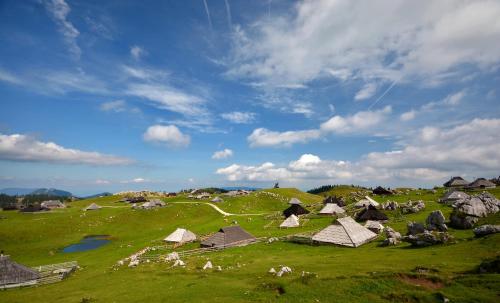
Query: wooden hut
{"points": [[229, 236], [12, 273]]}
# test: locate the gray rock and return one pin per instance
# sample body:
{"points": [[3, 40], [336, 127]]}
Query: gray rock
{"points": [[391, 233], [411, 207], [415, 228], [484, 230], [390, 205], [435, 221], [428, 238], [462, 221]]}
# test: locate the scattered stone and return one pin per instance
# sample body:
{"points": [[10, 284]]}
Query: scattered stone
{"points": [[272, 271], [435, 221], [390, 242], [390, 205], [393, 237], [172, 256], [468, 211], [284, 270], [133, 263], [415, 228], [179, 262], [412, 207], [484, 230], [272, 239], [428, 238], [208, 265], [218, 268]]}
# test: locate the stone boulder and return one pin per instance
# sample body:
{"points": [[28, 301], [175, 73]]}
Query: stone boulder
{"points": [[415, 228], [428, 238], [484, 230], [468, 211], [390, 205], [435, 221], [393, 237], [412, 207]]}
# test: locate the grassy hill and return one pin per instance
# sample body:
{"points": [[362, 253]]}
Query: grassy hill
{"points": [[366, 274]]}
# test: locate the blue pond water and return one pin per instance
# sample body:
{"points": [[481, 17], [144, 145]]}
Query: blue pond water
{"points": [[88, 243]]}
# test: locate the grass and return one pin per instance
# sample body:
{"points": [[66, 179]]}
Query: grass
{"points": [[366, 274]]}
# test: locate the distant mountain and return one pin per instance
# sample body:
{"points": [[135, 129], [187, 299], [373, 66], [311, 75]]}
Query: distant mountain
{"points": [[105, 194], [51, 192], [17, 191]]}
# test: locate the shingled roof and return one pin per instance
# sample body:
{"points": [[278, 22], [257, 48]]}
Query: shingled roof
{"points": [[346, 232], [229, 236], [334, 200], [481, 183], [14, 273], [295, 209], [331, 209], [456, 182], [371, 213]]}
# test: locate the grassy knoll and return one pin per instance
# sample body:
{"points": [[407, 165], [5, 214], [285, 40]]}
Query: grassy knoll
{"points": [[366, 274]]}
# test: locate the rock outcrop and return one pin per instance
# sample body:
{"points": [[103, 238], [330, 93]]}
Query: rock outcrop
{"points": [[468, 211], [435, 221], [485, 230], [428, 238]]}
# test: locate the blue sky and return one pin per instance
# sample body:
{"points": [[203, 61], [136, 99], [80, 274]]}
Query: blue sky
{"points": [[166, 95]]}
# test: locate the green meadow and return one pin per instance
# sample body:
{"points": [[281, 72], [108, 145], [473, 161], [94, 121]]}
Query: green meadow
{"points": [[369, 273]]}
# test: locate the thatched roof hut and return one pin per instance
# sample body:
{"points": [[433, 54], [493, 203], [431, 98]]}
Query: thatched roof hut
{"points": [[481, 183], [346, 232], [180, 235], [295, 209], [14, 273], [456, 182], [379, 190], [292, 221], [229, 236], [331, 209], [371, 213], [334, 200]]}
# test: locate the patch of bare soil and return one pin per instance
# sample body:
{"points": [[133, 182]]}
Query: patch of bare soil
{"points": [[422, 282]]}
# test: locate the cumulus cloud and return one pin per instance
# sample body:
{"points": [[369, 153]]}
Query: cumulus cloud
{"points": [[18, 147], [239, 117], [408, 40], [434, 154], [409, 115], [167, 134], [137, 52], [262, 137], [222, 154], [366, 92], [361, 121], [59, 11]]}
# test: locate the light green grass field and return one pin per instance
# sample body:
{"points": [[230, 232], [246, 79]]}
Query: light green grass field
{"points": [[366, 274]]}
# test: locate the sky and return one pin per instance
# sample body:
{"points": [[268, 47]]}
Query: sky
{"points": [[164, 95]]}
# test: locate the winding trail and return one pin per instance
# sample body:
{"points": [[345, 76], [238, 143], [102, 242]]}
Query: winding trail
{"points": [[218, 209]]}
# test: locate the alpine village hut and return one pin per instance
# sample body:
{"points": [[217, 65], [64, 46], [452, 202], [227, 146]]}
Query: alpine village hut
{"points": [[294, 201], [379, 190], [229, 236], [371, 213], [481, 183], [331, 209], [456, 182], [292, 221], [295, 209], [334, 200], [345, 232], [367, 201], [51, 204], [453, 196], [217, 200], [180, 236], [12, 274], [93, 206]]}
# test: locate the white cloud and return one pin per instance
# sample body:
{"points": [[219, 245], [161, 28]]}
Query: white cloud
{"points": [[144, 73], [262, 137], [135, 180], [8, 77], [222, 154], [366, 92], [59, 11], [433, 155], [115, 106], [102, 182], [169, 98], [167, 134], [239, 117], [137, 52], [19, 147], [422, 40], [409, 115], [361, 121], [450, 101]]}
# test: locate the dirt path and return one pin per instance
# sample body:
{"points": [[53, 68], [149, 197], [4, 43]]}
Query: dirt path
{"points": [[218, 209]]}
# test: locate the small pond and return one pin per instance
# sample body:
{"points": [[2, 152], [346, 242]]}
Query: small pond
{"points": [[88, 243]]}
